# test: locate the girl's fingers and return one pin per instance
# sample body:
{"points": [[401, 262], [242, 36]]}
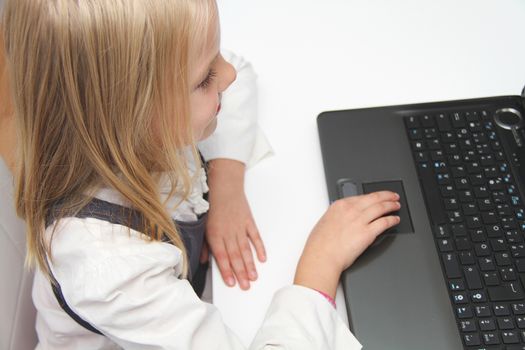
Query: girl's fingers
{"points": [[223, 261], [237, 263], [379, 209], [364, 201], [255, 238], [382, 224], [247, 256]]}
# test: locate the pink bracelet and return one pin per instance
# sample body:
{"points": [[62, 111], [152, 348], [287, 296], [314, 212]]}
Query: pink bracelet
{"points": [[327, 297]]}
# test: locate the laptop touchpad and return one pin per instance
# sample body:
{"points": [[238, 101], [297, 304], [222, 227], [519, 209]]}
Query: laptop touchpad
{"points": [[405, 226]]}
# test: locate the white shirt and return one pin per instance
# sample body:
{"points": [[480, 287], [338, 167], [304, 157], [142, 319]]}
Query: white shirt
{"points": [[130, 290]]}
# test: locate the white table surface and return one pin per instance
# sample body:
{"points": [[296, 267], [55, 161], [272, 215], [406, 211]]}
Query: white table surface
{"points": [[313, 56]]}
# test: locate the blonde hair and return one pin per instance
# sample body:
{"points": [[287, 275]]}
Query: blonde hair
{"points": [[101, 94]]}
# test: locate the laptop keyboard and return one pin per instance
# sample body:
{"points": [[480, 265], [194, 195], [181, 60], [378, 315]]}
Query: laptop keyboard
{"points": [[478, 224]]}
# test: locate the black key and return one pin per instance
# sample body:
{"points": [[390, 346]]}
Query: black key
{"points": [[472, 339], [505, 323], [421, 156], [491, 278], [482, 311], [419, 145], [448, 137], [498, 245], [510, 337], [473, 221], [427, 121], [451, 264], [437, 156], [430, 133], [511, 291], [487, 264], [481, 192], [520, 322], [458, 230], [490, 338], [518, 250], [459, 171], [487, 324], [501, 310], [491, 172], [477, 179], [454, 217], [478, 296], [462, 244], [475, 127], [487, 160], [516, 347], [443, 122], [508, 274], [472, 277], [443, 179], [447, 191], [489, 218], [460, 298], [518, 309], [466, 196], [466, 258], [456, 285], [520, 264], [472, 117], [412, 122], [464, 312], [458, 120], [486, 204], [469, 209], [445, 245], [461, 183], [434, 144], [441, 231], [503, 259], [513, 237], [477, 235], [482, 249], [451, 203], [415, 134], [467, 326], [494, 231]]}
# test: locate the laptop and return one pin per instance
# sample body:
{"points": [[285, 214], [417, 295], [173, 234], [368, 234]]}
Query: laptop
{"points": [[452, 274]]}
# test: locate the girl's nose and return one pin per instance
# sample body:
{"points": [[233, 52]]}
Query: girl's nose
{"points": [[228, 77]]}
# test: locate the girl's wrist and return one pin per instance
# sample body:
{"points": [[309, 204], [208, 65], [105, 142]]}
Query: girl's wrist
{"points": [[327, 297]]}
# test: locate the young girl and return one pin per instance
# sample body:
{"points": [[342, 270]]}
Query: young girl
{"points": [[110, 99]]}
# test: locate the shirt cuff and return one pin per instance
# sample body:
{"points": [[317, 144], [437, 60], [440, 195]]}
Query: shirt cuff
{"points": [[228, 150], [300, 318]]}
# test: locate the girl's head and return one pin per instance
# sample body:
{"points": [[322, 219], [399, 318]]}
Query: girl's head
{"points": [[109, 93]]}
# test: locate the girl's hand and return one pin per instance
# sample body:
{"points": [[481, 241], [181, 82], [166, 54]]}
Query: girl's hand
{"points": [[231, 229], [347, 228]]}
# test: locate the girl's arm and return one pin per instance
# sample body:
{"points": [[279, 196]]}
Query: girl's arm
{"points": [[238, 142]]}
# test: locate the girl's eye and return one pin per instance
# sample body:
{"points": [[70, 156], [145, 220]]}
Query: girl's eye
{"points": [[207, 81]]}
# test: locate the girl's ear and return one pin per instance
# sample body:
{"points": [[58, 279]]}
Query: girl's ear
{"points": [[7, 122]]}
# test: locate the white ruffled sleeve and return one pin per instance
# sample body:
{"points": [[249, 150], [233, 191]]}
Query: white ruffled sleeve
{"points": [[128, 289], [301, 318], [238, 135]]}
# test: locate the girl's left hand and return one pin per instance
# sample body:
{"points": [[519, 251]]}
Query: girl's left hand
{"points": [[231, 229]]}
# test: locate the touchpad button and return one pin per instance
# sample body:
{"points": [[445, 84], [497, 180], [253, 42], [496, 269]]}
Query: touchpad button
{"points": [[405, 226]]}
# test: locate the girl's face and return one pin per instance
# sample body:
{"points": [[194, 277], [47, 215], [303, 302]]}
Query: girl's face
{"points": [[212, 75]]}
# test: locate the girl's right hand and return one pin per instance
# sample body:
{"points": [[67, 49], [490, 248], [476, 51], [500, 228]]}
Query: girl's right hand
{"points": [[347, 228]]}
